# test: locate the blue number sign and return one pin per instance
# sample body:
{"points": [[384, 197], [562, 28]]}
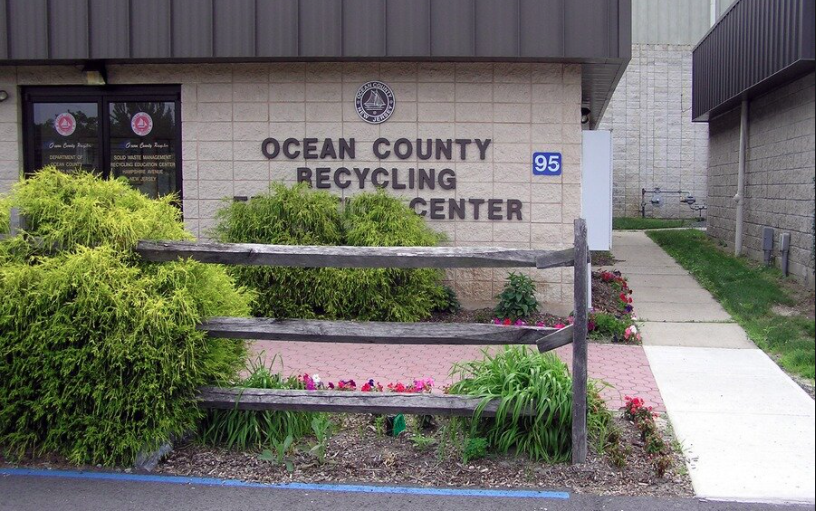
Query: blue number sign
{"points": [[546, 164]]}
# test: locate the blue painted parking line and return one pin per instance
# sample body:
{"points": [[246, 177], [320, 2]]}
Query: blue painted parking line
{"points": [[343, 488]]}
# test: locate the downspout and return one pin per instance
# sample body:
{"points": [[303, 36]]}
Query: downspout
{"points": [[740, 196]]}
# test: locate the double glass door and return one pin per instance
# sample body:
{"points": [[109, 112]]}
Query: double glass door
{"points": [[127, 132]]}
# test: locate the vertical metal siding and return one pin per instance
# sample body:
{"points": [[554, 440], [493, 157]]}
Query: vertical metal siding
{"points": [[150, 29], [320, 28], [541, 27], [109, 29], [808, 30], [4, 35], [408, 27], [192, 28], [28, 29], [497, 28], [579, 15], [752, 42], [68, 28], [364, 23], [453, 28], [204, 29], [236, 29], [277, 28]]}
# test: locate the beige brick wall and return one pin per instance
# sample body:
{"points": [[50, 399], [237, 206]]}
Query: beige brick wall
{"points": [[227, 110], [779, 178], [655, 144]]}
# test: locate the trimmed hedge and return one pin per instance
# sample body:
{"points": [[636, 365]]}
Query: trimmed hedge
{"points": [[99, 355], [300, 215]]}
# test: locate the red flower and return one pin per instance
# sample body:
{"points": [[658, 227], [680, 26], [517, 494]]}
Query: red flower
{"points": [[507, 322]]}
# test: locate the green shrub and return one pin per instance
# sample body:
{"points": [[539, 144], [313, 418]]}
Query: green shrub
{"points": [[474, 448], [299, 215], [448, 302], [608, 325], [521, 379], [99, 354], [517, 300], [246, 429]]}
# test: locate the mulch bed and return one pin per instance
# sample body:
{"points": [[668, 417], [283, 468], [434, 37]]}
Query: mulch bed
{"points": [[356, 454]]}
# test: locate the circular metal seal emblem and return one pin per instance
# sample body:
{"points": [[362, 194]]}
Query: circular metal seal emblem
{"points": [[375, 102]]}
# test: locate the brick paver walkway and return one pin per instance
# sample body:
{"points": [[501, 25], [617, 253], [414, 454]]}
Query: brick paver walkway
{"points": [[625, 368]]}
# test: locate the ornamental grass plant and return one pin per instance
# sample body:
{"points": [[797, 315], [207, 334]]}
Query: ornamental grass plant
{"points": [[523, 379], [253, 429], [99, 353], [298, 215]]}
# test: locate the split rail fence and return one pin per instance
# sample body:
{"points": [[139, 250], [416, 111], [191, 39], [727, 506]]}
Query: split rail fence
{"points": [[545, 339]]}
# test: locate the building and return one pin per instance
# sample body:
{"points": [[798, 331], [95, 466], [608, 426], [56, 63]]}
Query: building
{"points": [[655, 142], [754, 86], [444, 102]]}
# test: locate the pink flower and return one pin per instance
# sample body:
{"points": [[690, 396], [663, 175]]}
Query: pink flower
{"points": [[560, 325]]}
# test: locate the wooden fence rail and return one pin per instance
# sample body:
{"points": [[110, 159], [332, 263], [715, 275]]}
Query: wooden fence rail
{"points": [[390, 333], [342, 401], [386, 333], [306, 256]]}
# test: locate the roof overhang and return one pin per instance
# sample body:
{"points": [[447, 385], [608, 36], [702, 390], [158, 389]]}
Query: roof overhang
{"points": [[754, 47], [593, 33]]}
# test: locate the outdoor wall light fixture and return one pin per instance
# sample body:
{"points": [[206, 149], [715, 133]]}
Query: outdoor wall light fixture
{"points": [[585, 114], [3, 96], [94, 74]]}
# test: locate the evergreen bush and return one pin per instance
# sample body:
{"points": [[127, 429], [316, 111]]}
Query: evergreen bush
{"points": [[300, 215], [99, 353]]}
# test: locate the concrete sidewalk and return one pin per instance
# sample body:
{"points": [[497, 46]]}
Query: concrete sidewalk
{"points": [[747, 428]]}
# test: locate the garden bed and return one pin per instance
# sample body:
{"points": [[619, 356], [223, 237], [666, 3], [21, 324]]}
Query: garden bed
{"points": [[356, 453], [611, 297]]}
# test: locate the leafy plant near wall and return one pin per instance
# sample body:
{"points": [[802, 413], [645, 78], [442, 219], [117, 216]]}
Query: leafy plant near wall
{"points": [[300, 215], [100, 354], [524, 379], [517, 300]]}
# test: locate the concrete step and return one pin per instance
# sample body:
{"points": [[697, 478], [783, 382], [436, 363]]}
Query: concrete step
{"points": [[707, 311], [702, 335]]}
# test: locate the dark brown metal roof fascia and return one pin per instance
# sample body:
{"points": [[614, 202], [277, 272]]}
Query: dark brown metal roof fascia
{"points": [[594, 33], [755, 46]]}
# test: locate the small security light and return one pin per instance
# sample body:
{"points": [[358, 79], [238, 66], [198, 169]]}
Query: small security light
{"points": [[94, 74], [585, 114], [3, 95]]}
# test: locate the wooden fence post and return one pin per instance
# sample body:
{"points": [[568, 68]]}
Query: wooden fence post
{"points": [[16, 222], [579, 346]]}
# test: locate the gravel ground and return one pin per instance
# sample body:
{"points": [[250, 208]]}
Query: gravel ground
{"points": [[357, 454]]}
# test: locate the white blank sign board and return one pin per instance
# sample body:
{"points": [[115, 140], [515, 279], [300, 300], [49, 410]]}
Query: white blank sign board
{"points": [[596, 188]]}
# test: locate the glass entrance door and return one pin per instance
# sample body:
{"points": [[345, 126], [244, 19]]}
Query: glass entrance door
{"points": [[143, 145], [130, 132], [66, 135]]}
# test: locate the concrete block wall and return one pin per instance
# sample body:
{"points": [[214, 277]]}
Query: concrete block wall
{"points": [[228, 109], [655, 144], [779, 181]]}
